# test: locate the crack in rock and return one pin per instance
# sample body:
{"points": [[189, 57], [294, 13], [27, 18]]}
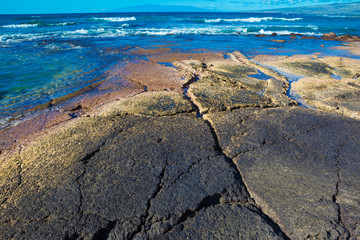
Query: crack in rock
{"points": [[20, 168], [263, 143], [74, 236], [237, 176], [270, 222], [208, 201], [85, 161], [103, 233], [81, 197], [334, 197], [188, 170], [185, 88], [339, 225], [145, 217], [288, 137]]}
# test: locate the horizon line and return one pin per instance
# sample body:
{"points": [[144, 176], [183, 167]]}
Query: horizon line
{"points": [[202, 10]]}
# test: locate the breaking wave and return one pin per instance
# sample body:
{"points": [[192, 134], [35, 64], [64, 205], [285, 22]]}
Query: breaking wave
{"points": [[63, 46], [285, 32], [251, 19], [20, 25], [62, 24], [125, 31], [116, 19]]}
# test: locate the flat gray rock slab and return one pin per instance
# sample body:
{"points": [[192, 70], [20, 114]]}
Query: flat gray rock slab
{"points": [[300, 166], [128, 177]]}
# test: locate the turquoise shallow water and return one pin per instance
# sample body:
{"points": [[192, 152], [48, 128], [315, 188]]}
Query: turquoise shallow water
{"points": [[48, 56]]}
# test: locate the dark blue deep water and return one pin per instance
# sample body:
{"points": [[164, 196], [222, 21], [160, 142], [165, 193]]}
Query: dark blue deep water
{"points": [[48, 56]]}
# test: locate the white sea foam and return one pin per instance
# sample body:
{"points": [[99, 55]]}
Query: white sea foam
{"points": [[98, 33], [62, 24], [63, 46], [80, 31], [251, 19], [254, 19], [20, 25], [288, 19], [341, 16], [214, 20], [285, 32], [313, 27], [120, 32], [263, 26], [188, 31], [84, 31], [15, 38], [116, 19]]}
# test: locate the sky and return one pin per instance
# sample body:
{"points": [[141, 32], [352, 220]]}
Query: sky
{"points": [[83, 6]]}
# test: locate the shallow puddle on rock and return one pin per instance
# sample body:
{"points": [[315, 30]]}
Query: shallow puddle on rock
{"points": [[227, 56], [167, 64], [187, 86], [337, 77], [260, 75], [290, 93]]}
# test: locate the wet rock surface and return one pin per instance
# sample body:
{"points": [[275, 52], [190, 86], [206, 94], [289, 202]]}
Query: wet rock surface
{"points": [[234, 83], [345, 38], [327, 83], [341, 96], [352, 47], [304, 65], [153, 76]]}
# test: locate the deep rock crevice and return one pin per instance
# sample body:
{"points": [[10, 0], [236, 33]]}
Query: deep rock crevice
{"points": [[78, 180], [20, 168], [86, 159], [237, 175], [206, 202], [336, 193], [103, 233], [145, 217]]}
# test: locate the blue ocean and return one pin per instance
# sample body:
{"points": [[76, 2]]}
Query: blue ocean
{"points": [[44, 57]]}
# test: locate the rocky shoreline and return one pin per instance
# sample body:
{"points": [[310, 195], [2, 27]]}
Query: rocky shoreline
{"points": [[325, 36], [210, 148]]}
